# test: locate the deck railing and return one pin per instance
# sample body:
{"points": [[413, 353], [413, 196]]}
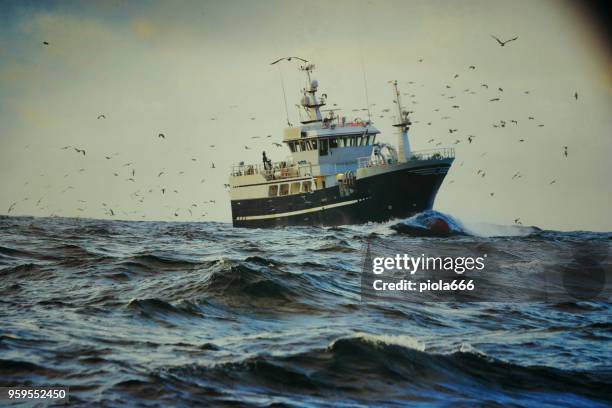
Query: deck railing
{"points": [[274, 171], [420, 155]]}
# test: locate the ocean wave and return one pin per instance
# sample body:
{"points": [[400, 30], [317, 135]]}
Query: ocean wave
{"points": [[369, 368]]}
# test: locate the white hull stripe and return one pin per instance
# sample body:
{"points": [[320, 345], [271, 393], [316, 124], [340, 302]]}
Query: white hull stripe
{"points": [[288, 214]]}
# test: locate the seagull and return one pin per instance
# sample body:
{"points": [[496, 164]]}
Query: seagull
{"points": [[472, 67], [514, 121], [531, 118], [492, 194], [133, 172], [80, 151], [246, 147], [452, 130], [101, 116], [494, 99], [576, 95], [277, 144], [502, 43], [470, 138], [288, 59], [518, 221], [500, 89], [456, 76], [213, 166], [161, 136], [163, 190], [485, 86], [565, 150], [12, 206], [552, 182], [430, 140], [110, 210]]}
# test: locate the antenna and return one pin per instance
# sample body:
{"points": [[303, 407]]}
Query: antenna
{"points": [[284, 95], [365, 82]]}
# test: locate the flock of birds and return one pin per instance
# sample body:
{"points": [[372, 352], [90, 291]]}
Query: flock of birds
{"points": [[139, 194]]}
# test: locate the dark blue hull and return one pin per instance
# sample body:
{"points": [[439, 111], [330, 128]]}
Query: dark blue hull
{"points": [[378, 198]]}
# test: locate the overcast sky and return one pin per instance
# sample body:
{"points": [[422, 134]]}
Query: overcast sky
{"points": [[199, 71]]}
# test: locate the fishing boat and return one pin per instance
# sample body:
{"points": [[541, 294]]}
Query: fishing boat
{"points": [[337, 173]]}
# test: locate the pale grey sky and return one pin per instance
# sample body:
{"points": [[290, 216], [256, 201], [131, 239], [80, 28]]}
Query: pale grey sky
{"points": [[172, 67]]}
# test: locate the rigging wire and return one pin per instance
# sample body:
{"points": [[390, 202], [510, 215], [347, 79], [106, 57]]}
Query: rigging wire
{"points": [[284, 95]]}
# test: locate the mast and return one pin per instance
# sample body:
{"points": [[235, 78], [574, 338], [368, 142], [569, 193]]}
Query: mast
{"points": [[403, 125], [309, 99]]}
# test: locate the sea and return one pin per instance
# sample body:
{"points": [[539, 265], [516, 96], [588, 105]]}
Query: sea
{"points": [[126, 313]]}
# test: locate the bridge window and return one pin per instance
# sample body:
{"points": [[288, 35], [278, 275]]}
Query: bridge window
{"points": [[314, 145], [273, 190], [292, 146], [284, 189], [333, 143], [302, 146], [306, 187], [295, 188], [323, 147]]}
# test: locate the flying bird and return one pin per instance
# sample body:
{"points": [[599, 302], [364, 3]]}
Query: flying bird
{"points": [[518, 221], [565, 151], [288, 59], [502, 43], [470, 138], [472, 67], [277, 144], [80, 151], [45, 42], [12, 206], [494, 99], [576, 95], [161, 136]]}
